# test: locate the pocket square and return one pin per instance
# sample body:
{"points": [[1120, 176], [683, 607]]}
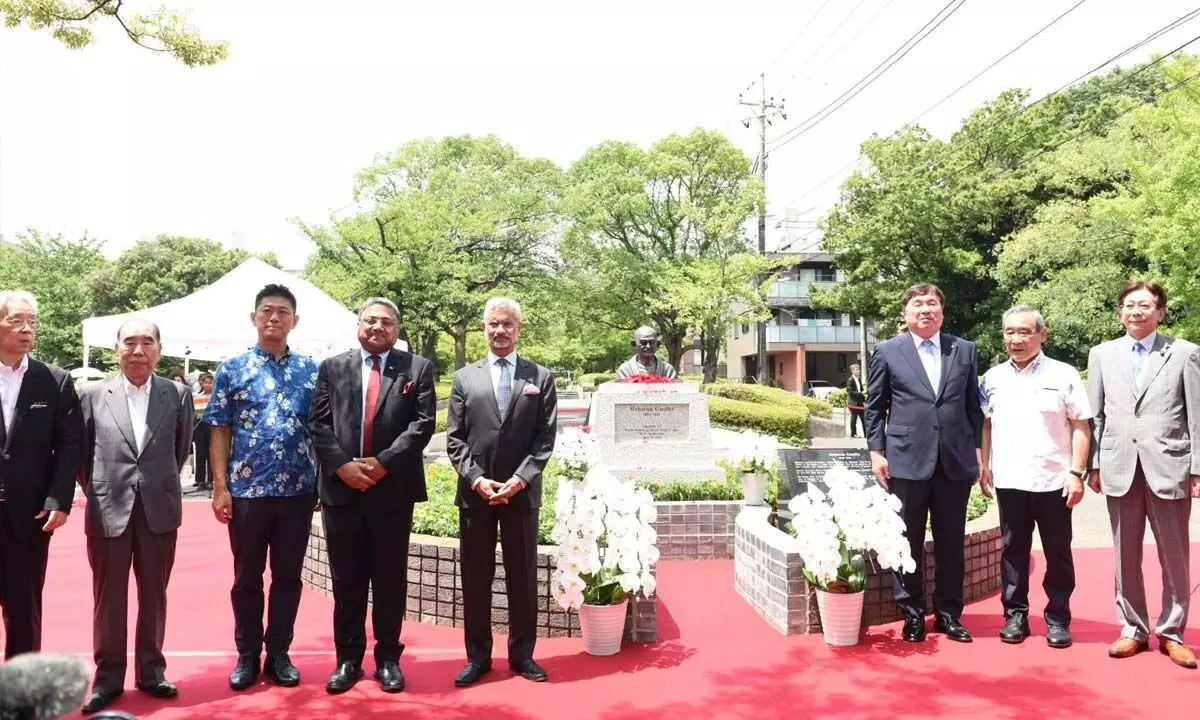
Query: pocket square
{"points": [[37, 406], [531, 390], [408, 387]]}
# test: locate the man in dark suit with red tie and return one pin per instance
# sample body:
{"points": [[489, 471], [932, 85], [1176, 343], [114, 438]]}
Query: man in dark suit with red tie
{"points": [[41, 432], [372, 416]]}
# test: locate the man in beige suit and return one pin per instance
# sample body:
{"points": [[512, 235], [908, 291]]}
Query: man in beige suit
{"points": [[1145, 390]]}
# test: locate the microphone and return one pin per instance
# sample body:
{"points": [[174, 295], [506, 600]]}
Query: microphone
{"points": [[34, 686]]}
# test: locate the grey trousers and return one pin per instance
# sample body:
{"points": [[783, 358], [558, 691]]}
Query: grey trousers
{"points": [[1169, 523]]}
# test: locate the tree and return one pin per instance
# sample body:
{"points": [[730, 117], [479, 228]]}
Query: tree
{"points": [[639, 216], [53, 269], [71, 21], [445, 224], [156, 271]]}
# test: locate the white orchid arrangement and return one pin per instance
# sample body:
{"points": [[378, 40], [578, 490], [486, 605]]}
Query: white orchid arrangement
{"points": [[607, 545], [836, 531], [755, 453]]}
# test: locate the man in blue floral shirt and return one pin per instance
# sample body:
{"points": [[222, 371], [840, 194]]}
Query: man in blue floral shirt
{"points": [[264, 483]]}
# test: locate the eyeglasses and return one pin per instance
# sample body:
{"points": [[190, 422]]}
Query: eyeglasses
{"points": [[21, 320], [1144, 307]]}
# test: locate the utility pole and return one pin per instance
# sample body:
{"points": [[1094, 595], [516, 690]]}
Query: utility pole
{"points": [[765, 110]]}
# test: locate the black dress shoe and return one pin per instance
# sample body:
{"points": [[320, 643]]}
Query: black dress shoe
{"points": [[530, 670], [344, 678], [161, 689], [952, 628], [471, 674], [1015, 630], [391, 680], [281, 670], [1058, 636], [245, 673], [99, 700], [914, 629]]}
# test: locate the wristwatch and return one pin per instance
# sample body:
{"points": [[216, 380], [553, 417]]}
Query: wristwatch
{"points": [[1079, 473]]}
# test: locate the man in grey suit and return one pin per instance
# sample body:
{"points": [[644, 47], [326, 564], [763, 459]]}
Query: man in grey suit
{"points": [[137, 434], [502, 421], [1145, 390]]}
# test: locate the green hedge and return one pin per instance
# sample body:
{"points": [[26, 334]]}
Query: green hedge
{"points": [[818, 407], [770, 396], [594, 379], [839, 398], [439, 424], [787, 423]]}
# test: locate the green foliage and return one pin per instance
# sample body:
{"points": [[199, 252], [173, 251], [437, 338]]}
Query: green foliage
{"points": [[594, 380], [441, 420], [166, 268], [53, 269], [818, 407], [679, 490], [839, 398], [71, 21], [789, 424], [977, 504]]}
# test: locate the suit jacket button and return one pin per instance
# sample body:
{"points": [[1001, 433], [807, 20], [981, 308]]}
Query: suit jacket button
{"points": [[6, 457], [937, 427]]}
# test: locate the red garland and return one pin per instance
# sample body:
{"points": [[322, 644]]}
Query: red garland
{"points": [[646, 379]]}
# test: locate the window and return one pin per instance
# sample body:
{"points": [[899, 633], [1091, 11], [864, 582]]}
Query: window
{"points": [[843, 366], [745, 328], [826, 275]]}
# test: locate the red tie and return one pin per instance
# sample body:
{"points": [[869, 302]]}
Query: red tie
{"points": [[369, 410]]}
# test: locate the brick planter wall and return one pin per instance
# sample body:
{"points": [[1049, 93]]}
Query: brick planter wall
{"points": [[435, 594], [696, 530], [768, 574]]}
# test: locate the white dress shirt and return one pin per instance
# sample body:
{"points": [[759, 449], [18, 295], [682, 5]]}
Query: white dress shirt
{"points": [[1031, 412], [932, 364], [10, 388], [138, 399], [1148, 343], [366, 378]]}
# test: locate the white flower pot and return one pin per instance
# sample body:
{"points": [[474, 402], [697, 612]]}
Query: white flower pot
{"points": [[841, 616], [754, 486], [603, 627]]}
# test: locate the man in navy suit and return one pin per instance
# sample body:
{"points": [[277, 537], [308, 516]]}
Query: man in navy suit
{"points": [[924, 429]]}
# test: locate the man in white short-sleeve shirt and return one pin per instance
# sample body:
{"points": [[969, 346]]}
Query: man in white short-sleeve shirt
{"points": [[1036, 439]]}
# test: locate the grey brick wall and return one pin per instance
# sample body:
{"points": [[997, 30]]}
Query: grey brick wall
{"points": [[696, 530], [435, 593], [768, 574]]}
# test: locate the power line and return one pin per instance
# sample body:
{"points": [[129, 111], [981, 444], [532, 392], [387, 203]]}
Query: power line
{"points": [[1150, 38], [788, 46], [867, 80], [833, 33], [870, 21]]}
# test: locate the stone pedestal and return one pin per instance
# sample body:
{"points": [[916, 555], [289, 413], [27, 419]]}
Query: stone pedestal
{"points": [[654, 431]]}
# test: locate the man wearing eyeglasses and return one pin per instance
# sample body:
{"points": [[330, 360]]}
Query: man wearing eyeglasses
{"points": [[40, 437], [372, 416], [1145, 390]]}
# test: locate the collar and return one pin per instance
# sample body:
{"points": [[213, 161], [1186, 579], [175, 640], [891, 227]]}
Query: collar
{"points": [[653, 361], [131, 389], [1147, 342], [936, 340], [269, 356], [366, 356], [20, 369], [1032, 367], [493, 357]]}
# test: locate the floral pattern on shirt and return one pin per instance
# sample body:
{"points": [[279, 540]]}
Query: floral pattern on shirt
{"points": [[265, 402]]}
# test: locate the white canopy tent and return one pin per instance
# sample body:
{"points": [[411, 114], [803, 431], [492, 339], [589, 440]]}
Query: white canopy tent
{"points": [[213, 323]]}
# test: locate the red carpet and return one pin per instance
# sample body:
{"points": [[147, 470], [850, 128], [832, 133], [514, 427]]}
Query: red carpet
{"points": [[716, 659]]}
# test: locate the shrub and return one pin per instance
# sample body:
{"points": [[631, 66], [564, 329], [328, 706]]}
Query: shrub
{"points": [[679, 490], [439, 424], [818, 407], [839, 398], [592, 380], [786, 423], [758, 394]]}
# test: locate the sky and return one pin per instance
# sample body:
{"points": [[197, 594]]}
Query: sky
{"points": [[125, 144]]}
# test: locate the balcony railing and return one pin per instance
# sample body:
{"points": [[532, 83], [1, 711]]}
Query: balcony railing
{"points": [[782, 290], [804, 334]]}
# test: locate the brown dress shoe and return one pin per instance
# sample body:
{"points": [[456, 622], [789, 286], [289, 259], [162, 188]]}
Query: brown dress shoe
{"points": [[1179, 653], [1127, 647]]}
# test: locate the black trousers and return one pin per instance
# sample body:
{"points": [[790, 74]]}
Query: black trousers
{"points": [[368, 548], [943, 502], [200, 437], [1019, 512], [277, 526], [151, 555], [23, 556], [857, 417], [477, 552]]}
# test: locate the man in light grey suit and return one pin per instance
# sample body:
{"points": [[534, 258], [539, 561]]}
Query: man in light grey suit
{"points": [[137, 434], [1145, 391]]}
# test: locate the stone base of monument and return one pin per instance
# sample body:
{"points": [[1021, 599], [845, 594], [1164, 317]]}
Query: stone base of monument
{"points": [[769, 574], [654, 431]]}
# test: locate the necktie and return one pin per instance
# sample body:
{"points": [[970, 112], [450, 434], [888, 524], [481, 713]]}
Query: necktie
{"points": [[369, 406], [1139, 362], [504, 387], [930, 363]]}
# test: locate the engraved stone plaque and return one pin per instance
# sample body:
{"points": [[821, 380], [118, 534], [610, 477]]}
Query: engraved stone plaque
{"points": [[650, 422]]}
